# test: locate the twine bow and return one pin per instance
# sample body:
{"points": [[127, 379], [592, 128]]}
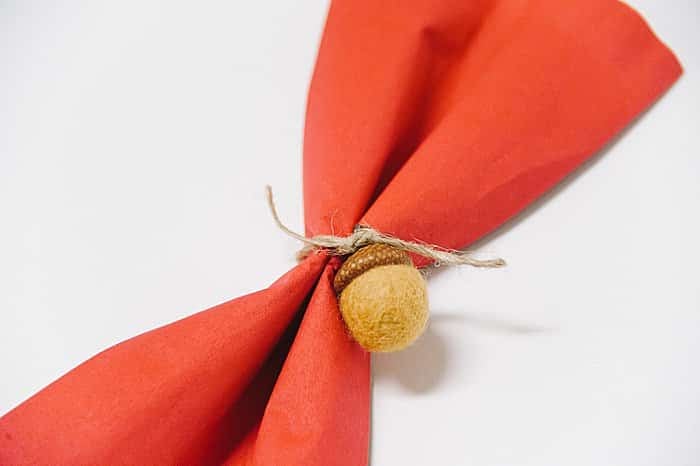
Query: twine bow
{"points": [[365, 235]]}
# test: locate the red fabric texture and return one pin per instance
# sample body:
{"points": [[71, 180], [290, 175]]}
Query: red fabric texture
{"points": [[429, 120]]}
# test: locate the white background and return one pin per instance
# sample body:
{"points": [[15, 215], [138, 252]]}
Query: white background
{"points": [[135, 140]]}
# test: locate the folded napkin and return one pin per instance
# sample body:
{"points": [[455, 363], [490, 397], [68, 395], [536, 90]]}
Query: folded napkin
{"points": [[431, 120]]}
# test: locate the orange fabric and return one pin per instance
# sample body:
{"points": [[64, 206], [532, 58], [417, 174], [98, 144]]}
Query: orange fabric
{"points": [[431, 120]]}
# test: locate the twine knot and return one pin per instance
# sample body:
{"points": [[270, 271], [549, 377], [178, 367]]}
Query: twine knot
{"points": [[364, 235]]}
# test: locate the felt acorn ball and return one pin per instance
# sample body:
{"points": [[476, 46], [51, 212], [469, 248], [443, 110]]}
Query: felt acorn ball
{"points": [[383, 298]]}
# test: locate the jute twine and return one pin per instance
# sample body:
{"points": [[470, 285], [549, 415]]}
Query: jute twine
{"points": [[365, 235]]}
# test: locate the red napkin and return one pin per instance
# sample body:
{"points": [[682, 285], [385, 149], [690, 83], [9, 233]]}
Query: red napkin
{"points": [[429, 120]]}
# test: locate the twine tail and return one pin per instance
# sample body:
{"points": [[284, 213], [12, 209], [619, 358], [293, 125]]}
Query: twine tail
{"points": [[364, 236]]}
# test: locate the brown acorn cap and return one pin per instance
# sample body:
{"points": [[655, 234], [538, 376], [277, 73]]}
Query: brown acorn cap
{"points": [[366, 258]]}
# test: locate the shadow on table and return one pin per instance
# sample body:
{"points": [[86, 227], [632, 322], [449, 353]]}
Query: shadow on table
{"points": [[424, 365]]}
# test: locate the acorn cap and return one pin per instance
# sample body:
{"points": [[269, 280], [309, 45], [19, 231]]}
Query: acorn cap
{"points": [[365, 259]]}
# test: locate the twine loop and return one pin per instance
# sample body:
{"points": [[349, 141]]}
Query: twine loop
{"points": [[364, 235]]}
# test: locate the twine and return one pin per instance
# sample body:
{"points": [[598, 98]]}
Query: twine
{"points": [[365, 235]]}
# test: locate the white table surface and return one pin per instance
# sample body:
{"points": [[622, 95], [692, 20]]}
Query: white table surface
{"points": [[135, 140]]}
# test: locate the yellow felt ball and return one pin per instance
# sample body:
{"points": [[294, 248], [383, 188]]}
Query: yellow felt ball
{"points": [[386, 307]]}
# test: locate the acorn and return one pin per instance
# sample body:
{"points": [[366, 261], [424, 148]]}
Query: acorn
{"points": [[383, 298]]}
